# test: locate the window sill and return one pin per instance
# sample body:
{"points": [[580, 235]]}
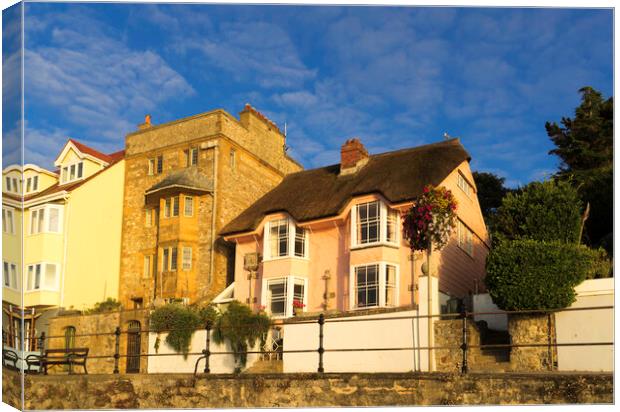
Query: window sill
{"points": [[41, 290], [287, 257], [394, 245]]}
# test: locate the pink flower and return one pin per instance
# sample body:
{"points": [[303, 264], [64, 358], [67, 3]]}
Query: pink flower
{"points": [[426, 189]]}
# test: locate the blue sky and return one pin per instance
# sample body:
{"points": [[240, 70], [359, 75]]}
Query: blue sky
{"points": [[394, 76]]}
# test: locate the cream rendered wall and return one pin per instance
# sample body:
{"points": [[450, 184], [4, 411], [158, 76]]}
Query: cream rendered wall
{"points": [[177, 364], [587, 326], [93, 221], [12, 253]]}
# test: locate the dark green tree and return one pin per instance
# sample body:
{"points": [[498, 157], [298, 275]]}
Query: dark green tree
{"points": [[491, 191], [584, 145]]}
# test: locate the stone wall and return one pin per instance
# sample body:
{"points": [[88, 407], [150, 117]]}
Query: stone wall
{"points": [[250, 161], [450, 333], [532, 329], [100, 340], [307, 390]]}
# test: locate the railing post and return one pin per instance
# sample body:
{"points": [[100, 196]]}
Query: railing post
{"points": [[321, 349], [464, 366], [117, 345], [207, 351]]}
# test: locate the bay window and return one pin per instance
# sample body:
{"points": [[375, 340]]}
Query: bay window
{"points": [[8, 221], [42, 276], [169, 259], [374, 285], [374, 223], [10, 275], [280, 293], [46, 219], [284, 239]]}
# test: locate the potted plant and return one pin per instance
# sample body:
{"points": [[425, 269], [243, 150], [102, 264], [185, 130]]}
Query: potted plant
{"points": [[298, 307]]}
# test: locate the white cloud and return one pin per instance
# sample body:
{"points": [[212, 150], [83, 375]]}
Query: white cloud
{"points": [[94, 82]]}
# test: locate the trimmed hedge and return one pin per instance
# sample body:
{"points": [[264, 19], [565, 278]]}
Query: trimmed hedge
{"points": [[544, 211], [530, 275]]}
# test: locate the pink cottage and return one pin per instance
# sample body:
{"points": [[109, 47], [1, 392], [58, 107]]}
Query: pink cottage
{"points": [[330, 239]]}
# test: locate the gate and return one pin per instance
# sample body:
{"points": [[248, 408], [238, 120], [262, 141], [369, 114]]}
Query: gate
{"points": [[133, 347]]}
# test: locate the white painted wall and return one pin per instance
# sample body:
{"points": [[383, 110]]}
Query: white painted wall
{"points": [[175, 363], [483, 303], [374, 332], [587, 326]]}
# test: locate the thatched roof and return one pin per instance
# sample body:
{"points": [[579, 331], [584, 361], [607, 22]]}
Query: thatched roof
{"points": [[399, 176]]}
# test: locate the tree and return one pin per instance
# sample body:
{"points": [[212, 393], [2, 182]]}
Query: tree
{"points": [[545, 211], [491, 191], [584, 145]]}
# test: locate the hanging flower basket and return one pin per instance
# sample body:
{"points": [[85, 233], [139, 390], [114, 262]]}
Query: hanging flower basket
{"points": [[431, 219]]}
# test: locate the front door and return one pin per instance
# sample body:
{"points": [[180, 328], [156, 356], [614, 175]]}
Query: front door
{"points": [[133, 347]]}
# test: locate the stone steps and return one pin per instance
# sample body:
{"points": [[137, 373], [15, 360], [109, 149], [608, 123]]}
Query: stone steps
{"points": [[265, 366]]}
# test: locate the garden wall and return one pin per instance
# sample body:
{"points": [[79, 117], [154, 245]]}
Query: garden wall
{"points": [[294, 390]]}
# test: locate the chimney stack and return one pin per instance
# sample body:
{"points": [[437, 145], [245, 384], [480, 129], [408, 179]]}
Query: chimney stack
{"points": [[146, 124], [353, 156]]}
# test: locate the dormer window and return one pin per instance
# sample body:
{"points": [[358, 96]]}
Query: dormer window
{"points": [[32, 184], [285, 239], [71, 173], [373, 223], [12, 184]]}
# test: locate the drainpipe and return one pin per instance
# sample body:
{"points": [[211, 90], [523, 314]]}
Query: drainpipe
{"points": [[214, 146]]}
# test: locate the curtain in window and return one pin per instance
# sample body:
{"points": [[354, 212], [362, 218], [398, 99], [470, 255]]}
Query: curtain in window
{"points": [[53, 220]]}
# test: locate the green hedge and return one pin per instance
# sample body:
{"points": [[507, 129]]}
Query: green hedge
{"points": [[544, 211], [531, 275]]}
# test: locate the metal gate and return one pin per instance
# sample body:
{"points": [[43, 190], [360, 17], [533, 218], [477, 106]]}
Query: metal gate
{"points": [[133, 347]]}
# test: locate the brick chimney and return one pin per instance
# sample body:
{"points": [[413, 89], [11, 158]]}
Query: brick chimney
{"points": [[353, 156]]}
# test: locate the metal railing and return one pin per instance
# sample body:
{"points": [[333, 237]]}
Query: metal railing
{"points": [[463, 346]]}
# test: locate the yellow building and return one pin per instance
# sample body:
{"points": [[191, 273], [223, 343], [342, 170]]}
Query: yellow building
{"points": [[70, 224]]}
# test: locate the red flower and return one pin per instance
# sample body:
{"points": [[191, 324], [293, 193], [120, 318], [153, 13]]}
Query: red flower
{"points": [[426, 189]]}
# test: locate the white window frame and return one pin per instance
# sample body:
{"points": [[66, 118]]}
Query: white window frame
{"points": [[190, 159], [291, 234], [147, 269], [46, 219], [464, 238], [6, 222], [13, 275], [384, 210], [168, 266], [464, 184], [185, 203], [382, 265], [186, 264], [66, 172], [42, 284], [290, 280], [148, 217]]}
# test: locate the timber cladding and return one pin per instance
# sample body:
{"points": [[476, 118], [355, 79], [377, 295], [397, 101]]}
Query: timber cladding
{"points": [[297, 390]]}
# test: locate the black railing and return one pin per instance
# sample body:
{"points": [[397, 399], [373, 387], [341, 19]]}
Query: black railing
{"points": [[463, 346]]}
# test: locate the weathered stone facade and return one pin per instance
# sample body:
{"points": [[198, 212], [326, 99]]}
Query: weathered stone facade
{"points": [[307, 390], [100, 339], [242, 160]]}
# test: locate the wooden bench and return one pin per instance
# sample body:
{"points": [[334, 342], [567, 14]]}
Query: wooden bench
{"points": [[9, 359], [52, 357]]}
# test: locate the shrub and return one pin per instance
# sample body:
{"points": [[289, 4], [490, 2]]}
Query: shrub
{"points": [[108, 305], [180, 322], [531, 275], [544, 211], [241, 328]]}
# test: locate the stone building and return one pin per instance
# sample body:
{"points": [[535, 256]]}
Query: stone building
{"points": [[184, 181]]}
